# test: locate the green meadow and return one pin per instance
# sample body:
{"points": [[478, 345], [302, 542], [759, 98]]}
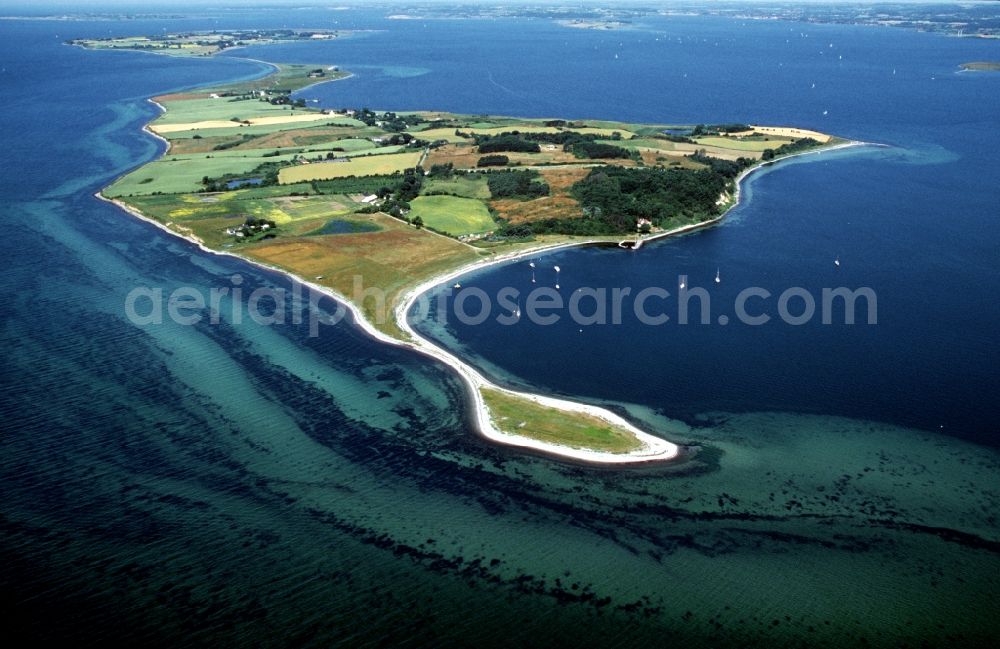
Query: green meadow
{"points": [[470, 186], [515, 415], [224, 108], [453, 215]]}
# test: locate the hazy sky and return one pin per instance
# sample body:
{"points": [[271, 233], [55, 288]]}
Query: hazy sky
{"points": [[147, 5]]}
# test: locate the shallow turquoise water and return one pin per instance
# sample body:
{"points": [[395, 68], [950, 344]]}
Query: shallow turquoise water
{"points": [[240, 484]]}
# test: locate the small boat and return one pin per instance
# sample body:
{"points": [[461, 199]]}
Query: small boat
{"points": [[319, 277], [457, 285], [717, 278], [683, 284], [836, 262]]}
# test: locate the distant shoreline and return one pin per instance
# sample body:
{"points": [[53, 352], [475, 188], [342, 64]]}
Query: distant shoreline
{"points": [[981, 66]]}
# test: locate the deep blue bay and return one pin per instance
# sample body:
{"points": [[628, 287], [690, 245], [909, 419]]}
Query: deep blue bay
{"points": [[246, 484]]}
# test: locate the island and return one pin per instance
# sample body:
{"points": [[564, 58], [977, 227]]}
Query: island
{"points": [[410, 201]]}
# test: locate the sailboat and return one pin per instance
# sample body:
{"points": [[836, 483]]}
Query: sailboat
{"points": [[717, 278]]}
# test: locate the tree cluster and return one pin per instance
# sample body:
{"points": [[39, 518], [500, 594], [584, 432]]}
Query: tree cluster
{"points": [[506, 142], [253, 226], [388, 120], [614, 198], [600, 151], [728, 168], [717, 129], [516, 184], [493, 160], [791, 147], [622, 195], [397, 199], [446, 170]]}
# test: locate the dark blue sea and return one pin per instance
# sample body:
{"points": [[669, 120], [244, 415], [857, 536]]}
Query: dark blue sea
{"points": [[236, 484]]}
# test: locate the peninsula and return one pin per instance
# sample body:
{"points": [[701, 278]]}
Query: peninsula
{"points": [[409, 201], [206, 43]]}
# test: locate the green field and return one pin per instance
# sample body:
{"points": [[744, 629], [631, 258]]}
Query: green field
{"points": [[467, 186], [518, 416], [208, 215], [263, 129], [183, 175], [224, 108], [359, 166], [351, 144], [453, 215], [643, 143]]}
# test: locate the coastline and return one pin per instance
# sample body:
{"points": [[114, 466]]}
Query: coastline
{"points": [[653, 449], [738, 191]]}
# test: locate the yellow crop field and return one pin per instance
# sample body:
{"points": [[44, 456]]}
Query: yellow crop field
{"points": [[374, 165], [270, 120]]}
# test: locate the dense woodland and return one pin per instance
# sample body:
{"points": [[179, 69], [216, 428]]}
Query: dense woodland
{"points": [[522, 183], [506, 142], [615, 198]]}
